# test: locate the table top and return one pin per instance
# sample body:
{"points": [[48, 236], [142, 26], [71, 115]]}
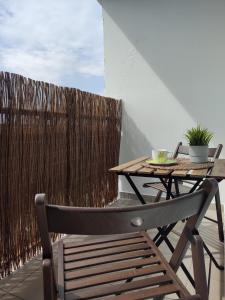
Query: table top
{"points": [[136, 168]]}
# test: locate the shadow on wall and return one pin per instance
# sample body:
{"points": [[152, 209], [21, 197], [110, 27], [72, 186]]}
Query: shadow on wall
{"points": [[133, 143], [184, 43]]}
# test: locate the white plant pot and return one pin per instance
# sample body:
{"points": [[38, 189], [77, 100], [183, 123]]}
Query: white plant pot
{"points": [[198, 154]]}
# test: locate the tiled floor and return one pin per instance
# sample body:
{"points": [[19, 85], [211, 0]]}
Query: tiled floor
{"points": [[26, 283]]}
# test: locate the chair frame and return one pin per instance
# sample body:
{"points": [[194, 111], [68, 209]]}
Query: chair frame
{"points": [[108, 221]]}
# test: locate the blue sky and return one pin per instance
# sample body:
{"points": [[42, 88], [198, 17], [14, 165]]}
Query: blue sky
{"points": [[58, 41]]}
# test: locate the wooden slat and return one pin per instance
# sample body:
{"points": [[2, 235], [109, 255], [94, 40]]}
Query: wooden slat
{"points": [[198, 173], [134, 168], [112, 277], [111, 267], [115, 237], [106, 259], [162, 172], [170, 271], [145, 171], [104, 252], [158, 186], [101, 291], [103, 245], [144, 294], [128, 164], [180, 173], [218, 170]]}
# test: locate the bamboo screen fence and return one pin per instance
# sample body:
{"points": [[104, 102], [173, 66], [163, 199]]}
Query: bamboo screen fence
{"points": [[60, 141]]}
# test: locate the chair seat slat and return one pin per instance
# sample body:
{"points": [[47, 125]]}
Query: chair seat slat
{"points": [[104, 252], [112, 277], [111, 267], [101, 291], [144, 294], [160, 187], [110, 258], [103, 245], [115, 237]]}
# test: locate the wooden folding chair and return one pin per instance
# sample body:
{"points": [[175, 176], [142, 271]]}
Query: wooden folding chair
{"points": [[124, 264], [214, 153]]}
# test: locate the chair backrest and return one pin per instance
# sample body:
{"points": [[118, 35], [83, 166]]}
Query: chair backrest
{"points": [[102, 221], [182, 149]]}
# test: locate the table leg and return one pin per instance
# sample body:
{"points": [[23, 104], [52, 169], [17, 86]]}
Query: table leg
{"points": [[168, 186], [219, 216], [140, 198], [176, 187], [195, 186]]}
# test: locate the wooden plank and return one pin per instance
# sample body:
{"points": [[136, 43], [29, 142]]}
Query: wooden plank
{"points": [[198, 173], [112, 277], [147, 293], [114, 237], [103, 245], [103, 252], [106, 259], [145, 171], [218, 170], [162, 172], [128, 164], [134, 168], [101, 291], [111, 267], [170, 271], [179, 173]]}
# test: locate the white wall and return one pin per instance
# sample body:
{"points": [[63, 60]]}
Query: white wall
{"points": [[166, 60]]}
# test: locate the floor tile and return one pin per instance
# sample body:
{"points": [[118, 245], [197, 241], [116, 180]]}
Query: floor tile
{"points": [[31, 288], [10, 296], [2, 293], [11, 282]]}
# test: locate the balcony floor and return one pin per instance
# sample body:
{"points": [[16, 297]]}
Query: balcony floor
{"points": [[26, 283]]}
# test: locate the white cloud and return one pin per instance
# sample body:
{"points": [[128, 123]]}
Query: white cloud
{"points": [[50, 39]]}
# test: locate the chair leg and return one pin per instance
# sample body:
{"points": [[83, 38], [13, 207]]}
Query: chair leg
{"points": [[219, 216], [48, 281], [199, 267], [158, 196]]}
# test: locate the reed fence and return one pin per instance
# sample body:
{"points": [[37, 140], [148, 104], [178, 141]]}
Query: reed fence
{"points": [[56, 140]]}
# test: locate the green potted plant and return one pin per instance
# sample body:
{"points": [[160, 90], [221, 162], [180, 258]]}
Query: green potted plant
{"points": [[198, 139]]}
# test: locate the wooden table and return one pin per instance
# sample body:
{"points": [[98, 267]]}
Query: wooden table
{"points": [[135, 168]]}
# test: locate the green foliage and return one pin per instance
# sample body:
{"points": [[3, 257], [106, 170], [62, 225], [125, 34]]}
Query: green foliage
{"points": [[198, 136]]}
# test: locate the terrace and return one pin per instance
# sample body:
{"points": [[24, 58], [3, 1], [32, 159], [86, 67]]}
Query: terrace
{"points": [[169, 73], [27, 282]]}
